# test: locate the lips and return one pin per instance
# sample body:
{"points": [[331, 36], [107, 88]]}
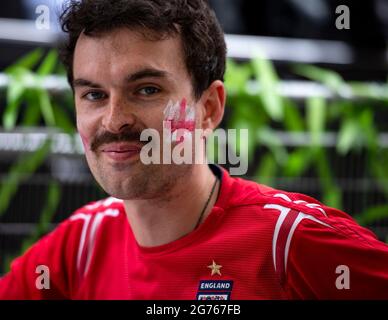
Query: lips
{"points": [[120, 151]]}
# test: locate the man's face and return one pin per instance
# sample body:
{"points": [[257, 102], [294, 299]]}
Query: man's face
{"points": [[122, 84]]}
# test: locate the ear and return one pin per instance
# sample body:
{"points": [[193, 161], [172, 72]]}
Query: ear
{"points": [[213, 103]]}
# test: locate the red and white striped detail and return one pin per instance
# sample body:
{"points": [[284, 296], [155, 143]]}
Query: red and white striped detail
{"points": [[285, 227], [103, 203], [90, 227]]}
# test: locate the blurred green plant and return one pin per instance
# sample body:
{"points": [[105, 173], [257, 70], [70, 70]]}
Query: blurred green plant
{"points": [[30, 105], [256, 103]]}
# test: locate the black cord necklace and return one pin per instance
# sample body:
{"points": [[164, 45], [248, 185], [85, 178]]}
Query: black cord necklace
{"points": [[206, 204]]}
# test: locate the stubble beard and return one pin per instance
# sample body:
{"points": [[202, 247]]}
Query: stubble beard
{"points": [[138, 181]]}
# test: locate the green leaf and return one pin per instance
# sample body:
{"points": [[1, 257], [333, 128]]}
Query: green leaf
{"points": [[268, 80], [32, 115], [372, 215], [348, 136], [298, 162], [248, 109], [49, 63], [369, 91], [19, 80], [10, 114], [15, 91], [19, 172], [46, 107], [236, 77], [330, 78], [266, 171], [26, 62], [332, 197], [293, 120], [336, 110], [316, 119], [369, 131], [378, 168], [62, 120], [248, 144], [268, 138], [323, 168]]}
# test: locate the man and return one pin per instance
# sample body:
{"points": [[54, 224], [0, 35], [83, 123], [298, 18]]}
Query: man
{"points": [[180, 231]]}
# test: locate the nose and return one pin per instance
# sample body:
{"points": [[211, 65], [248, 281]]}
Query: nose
{"points": [[118, 115]]}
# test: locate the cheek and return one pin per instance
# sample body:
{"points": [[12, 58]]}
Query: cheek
{"points": [[180, 115], [84, 139], [179, 119], [86, 126]]}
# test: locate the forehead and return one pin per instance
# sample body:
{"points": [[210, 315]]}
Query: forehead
{"points": [[111, 56]]}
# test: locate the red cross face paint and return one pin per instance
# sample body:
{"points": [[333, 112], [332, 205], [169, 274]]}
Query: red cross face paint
{"points": [[179, 117]]}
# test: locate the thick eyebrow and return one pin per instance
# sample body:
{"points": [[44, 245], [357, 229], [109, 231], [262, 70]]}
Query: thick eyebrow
{"points": [[147, 73], [138, 75], [85, 83]]}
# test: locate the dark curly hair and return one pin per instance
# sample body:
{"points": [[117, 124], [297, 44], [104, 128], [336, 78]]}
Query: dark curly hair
{"points": [[201, 35]]}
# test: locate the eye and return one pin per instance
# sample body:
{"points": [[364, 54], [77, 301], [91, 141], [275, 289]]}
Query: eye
{"points": [[148, 91], [95, 96]]}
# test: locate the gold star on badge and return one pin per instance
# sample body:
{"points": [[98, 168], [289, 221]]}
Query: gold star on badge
{"points": [[215, 268]]}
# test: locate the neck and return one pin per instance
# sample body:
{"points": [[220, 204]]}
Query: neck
{"points": [[160, 221]]}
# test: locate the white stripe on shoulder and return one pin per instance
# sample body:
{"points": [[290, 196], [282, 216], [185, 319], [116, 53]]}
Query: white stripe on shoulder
{"points": [[307, 204], [86, 218], [92, 234], [105, 202], [283, 214], [283, 196], [298, 220]]}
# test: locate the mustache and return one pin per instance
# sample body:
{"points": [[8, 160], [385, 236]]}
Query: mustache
{"points": [[128, 135]]}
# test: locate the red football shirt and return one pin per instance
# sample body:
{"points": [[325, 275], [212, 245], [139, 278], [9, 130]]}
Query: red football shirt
{"points": [[257, 243]]}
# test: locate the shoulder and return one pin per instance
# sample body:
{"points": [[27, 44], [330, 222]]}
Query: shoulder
{"points": [[81, 227], [90, 215], [300, 220], [284, 210], [109, 207], [276, 202], [285, 206], [66, 252], [87, 221]]}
